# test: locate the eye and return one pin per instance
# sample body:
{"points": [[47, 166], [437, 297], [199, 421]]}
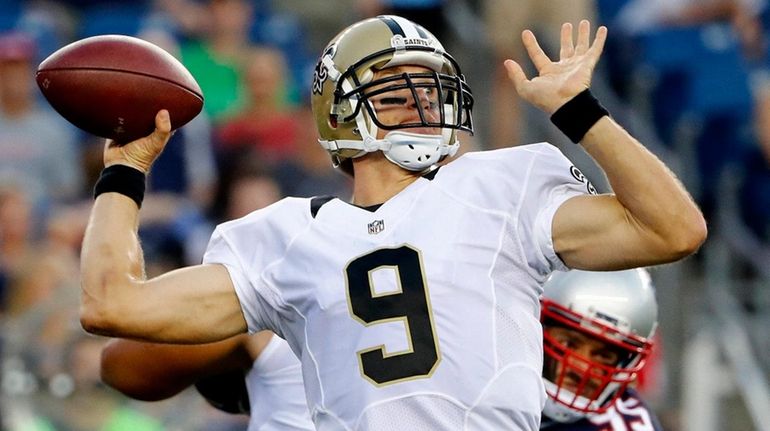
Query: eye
{"points": [[571, 344], [568, 342], [393, 101], [606, 357]]}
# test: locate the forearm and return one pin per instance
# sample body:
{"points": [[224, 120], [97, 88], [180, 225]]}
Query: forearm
{"points": [[111, 260], [151, 372], [189, 305], [650, 219], [653, 198]]}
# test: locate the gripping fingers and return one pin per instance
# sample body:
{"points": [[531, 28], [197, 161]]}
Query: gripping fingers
{"points": [[163, 122], [141, 153], [162, 132]]}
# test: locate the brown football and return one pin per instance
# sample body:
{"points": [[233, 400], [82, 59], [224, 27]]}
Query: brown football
{"points": [[112, 86]]}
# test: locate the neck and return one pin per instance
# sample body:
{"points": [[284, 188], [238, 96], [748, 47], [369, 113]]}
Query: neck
{"points": [[377, 179]]}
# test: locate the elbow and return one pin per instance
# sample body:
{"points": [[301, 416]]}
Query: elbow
{"points": [[689, 237], [106, 321], [98, 315], [95, 320]]}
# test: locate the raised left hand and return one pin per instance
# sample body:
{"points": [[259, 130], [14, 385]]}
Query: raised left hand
{"points": [[558, 82]]}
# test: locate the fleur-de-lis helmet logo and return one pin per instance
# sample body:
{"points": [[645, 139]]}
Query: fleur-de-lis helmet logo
{"points": [[321, 73]]}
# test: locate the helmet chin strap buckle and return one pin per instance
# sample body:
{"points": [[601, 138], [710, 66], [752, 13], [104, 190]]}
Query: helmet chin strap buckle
{"points": [[371, 144]]}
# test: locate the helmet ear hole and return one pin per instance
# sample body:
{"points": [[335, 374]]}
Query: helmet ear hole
{"points": [[333, 121]]}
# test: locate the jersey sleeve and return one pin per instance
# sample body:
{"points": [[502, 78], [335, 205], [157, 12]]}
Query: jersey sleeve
{"points": [[255, 308], [552, 179], [249, 247]]}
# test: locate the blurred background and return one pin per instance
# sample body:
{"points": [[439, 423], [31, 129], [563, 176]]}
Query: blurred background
{"points": [[690, 78]]}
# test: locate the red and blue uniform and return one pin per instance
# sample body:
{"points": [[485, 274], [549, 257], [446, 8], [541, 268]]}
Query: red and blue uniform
{"points": [[628, 413]]}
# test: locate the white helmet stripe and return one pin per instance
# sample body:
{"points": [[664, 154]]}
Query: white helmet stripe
{"points": [[411, 31]]}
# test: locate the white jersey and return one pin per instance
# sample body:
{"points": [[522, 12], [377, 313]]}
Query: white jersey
{"points": [[276, 392], [423, 313]]}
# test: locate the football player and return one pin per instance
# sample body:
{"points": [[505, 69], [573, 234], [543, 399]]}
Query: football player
{"points": [[597, 333], [415, 304]]}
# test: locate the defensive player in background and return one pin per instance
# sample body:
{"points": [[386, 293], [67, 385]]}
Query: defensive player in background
{"points": [[415, 305], [597, 331], [255, 374]]}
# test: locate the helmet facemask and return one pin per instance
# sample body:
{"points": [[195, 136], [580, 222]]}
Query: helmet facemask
{"points": [[418, 142], [579, 383]]}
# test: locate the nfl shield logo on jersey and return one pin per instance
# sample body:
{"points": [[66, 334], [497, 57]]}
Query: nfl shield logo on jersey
{"points": [[376, 226]]}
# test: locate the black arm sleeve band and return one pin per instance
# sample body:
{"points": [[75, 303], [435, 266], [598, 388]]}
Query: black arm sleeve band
{"points": [[575, 117], [124, 180]]}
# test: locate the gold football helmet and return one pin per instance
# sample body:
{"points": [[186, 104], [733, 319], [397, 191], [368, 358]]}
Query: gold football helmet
{"points": [[345, 94]]}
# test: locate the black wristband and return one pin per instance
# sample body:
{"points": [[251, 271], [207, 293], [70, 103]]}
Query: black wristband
{"points": [[124, 180], [575, 117]]}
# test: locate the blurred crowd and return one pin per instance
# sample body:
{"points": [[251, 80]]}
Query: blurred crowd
{"points": [[696, 72]]}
